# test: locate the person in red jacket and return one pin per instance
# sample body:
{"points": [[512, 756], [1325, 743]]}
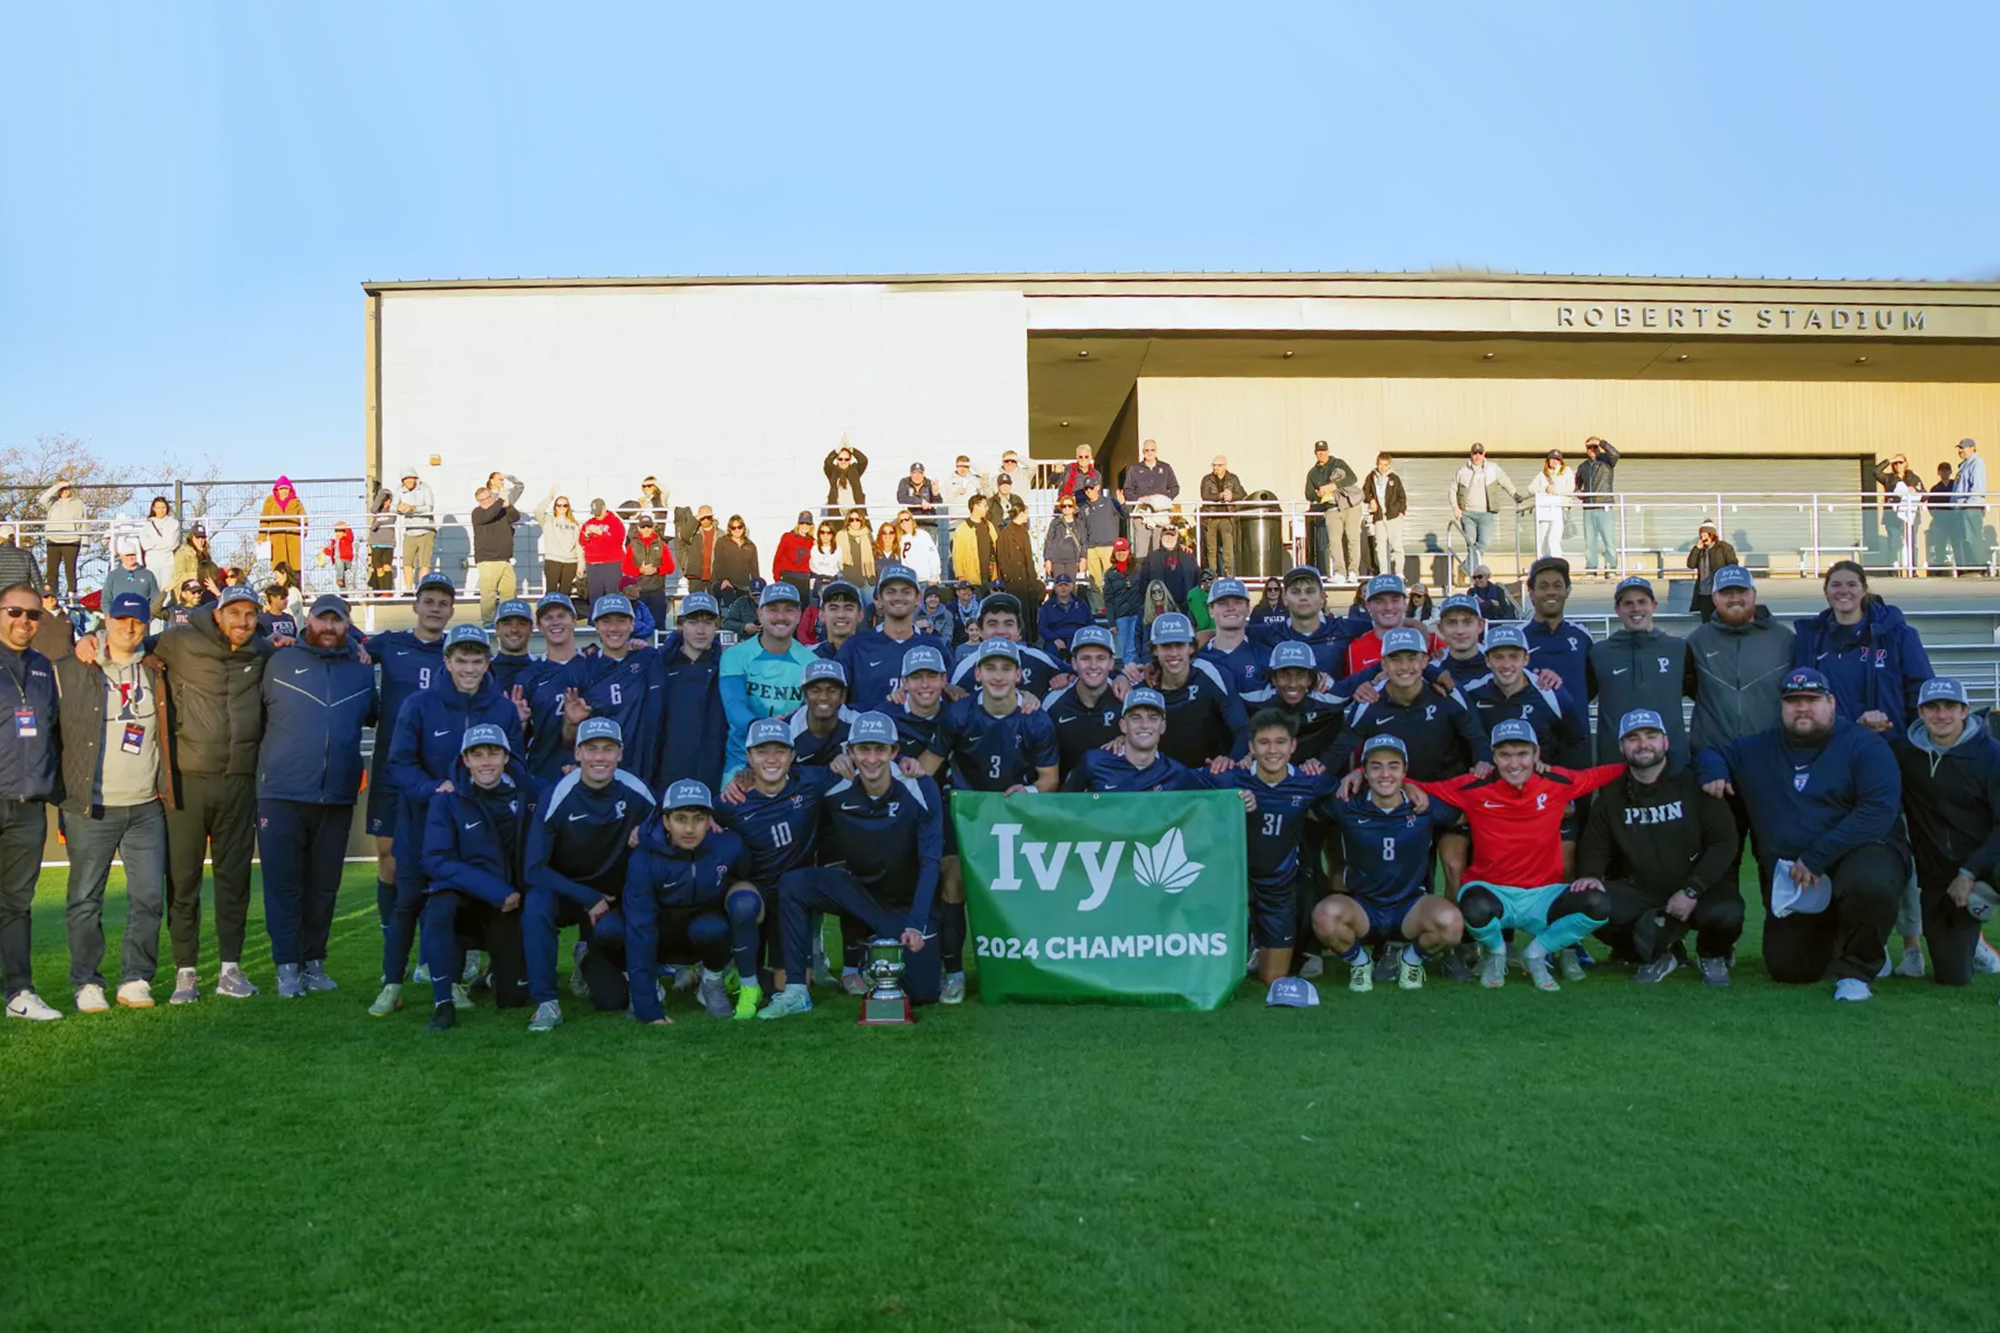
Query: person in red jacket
{"points": [[340, 553], [602, 537], [648, 561], [793, 562], [1516, 878]]}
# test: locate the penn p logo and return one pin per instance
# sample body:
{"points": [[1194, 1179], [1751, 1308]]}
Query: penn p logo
{"points": [[1165, 865]]}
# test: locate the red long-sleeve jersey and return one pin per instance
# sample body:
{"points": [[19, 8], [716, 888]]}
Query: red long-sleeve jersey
{"points": [[1517, 831]]}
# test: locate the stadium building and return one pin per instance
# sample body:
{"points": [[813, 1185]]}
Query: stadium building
{"points": [[1738, 400]]}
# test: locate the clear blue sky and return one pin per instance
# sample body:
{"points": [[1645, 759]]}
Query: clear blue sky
{"points": [[191, 193]]}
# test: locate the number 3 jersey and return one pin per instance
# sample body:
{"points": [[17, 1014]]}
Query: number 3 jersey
{"points": [[989, 753], [1517, 831]]}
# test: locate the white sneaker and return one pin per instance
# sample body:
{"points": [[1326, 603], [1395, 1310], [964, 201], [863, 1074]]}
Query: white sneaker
{"points": [[1985, 960], [1361, 975], [187, 987], [90, 999], [1912, 965], [26, 1004], [954, 989], [1313, 966], [1852, 989], [135, 995]]}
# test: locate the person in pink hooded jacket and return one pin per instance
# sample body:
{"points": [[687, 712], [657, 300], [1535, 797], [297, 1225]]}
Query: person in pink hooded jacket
{"points": [[283, 524]]}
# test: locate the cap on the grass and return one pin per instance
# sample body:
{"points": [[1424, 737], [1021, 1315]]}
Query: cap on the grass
{"points": [[1640, 719], [1291, 993], [768, 731], [872, 729], [689, 794], [483, 733]]}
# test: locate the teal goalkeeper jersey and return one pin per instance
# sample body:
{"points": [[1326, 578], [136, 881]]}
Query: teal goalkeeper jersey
{"points": [[756, 683]]}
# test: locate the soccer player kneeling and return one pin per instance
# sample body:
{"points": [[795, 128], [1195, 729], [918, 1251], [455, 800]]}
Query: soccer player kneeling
{"points": [[884, 835], [688, 896], [474, 853], [1385, 893], [1516, 876]]}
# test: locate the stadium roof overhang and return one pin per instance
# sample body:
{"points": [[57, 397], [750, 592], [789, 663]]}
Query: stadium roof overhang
{"points": [[1091, 337]]}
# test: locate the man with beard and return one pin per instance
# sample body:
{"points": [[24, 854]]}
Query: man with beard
{"points": [[1951, 797], [1660, 848], [874, 657], [318, 696], [1825, 804]]}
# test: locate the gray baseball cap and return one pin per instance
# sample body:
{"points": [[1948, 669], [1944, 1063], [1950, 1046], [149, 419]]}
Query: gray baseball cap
{"points": [[1404, 639], [824, 669], [1633, 584], [889, 574], [1640, 719], [1093, 636], [1385, 742], [1942, 687], [600, 729], [464, 634], [1514, 729], [778, 592], [1006, 648], [1461, 601], [554, 599], [1144, 698], [872, 729], [1227, 587], [1385, 584], [1173, 627], [699, 604], [330, 601], [514, 607], [1733, 576], [611, 604], [923, 657], [688, 794], [1505, 636], [237, 593], [768, 731], [483, 733], [1292, 653]]}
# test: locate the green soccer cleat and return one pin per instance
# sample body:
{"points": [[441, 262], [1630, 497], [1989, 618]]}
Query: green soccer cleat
{"points": [[747, 999], [1361, 975], [793, 999], [388, 1002], [548, 1017]]}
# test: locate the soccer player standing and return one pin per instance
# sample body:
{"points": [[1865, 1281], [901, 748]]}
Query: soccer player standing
{"points": [[762, 676]]}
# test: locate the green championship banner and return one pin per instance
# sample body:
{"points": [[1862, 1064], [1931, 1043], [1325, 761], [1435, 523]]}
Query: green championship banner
{"points": [[1122, 899]]}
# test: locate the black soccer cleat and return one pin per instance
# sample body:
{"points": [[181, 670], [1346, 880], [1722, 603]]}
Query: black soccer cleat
{"points": [[443, 1018]]}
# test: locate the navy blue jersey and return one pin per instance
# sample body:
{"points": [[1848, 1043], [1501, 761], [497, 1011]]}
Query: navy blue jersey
{"points": [[1462, 670], [781, 831], [1038, 668], [694, 730], [626, 691], [1560, 728], [891, 843], [281, 625], [819, 751], [1261, 614], [989, 753], [1329, 642], [1104, 771], [579, 841], [546, 751], [1316, 719], [1204, 718], [1246, 665], [1388, 851], [1080, 727], [511, 669], [1274, 827], [1443, 739], [1564, 650], [664, 875], [409, 666], [912, 731], [874, 663]]}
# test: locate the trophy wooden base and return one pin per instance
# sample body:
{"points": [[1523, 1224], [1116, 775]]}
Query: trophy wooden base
{"points": [[885, 1011]]}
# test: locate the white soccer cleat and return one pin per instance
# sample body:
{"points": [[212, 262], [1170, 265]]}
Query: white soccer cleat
{"points": [[1361, 975]]}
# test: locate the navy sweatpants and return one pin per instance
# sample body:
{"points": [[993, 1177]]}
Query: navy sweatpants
{"points": [[803, 892], [678, 934], [303, 847], [452, 918], [544, 913]]}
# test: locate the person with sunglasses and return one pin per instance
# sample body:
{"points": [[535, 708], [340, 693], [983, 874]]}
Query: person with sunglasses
{"points": [[561, 553], [29, 754], [735, 560], [1494, 603]]}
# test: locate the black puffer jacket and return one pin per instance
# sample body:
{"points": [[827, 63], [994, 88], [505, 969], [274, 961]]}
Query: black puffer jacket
{"points": [[215, 704], [1952, 800]]}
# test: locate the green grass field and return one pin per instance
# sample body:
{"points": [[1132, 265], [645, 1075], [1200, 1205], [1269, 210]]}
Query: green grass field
{"points": [[1613, 1157]]}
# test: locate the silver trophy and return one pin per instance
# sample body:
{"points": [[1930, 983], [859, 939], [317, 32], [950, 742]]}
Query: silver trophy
{"points": [[887, 1004]]}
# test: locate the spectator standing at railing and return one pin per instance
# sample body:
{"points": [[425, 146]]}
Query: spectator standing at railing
{"points": [[1065, 544], [647, 564], [1078, 474], [1899, 514], [1334, 504], [917, 549], [63, 531], [418, 508], [1152, 482], [1221, 492], [381, 542], [792, 562], [282, 524], [954, 492], [1475, 489], [735, 555], [1387, 502], [128, 577], [561, 556], [650, 500], [16, 565], [1020, 572], [972, 545], [920, 495], [1172, 566], [493, 520], [1554, 489], [1098, 514], [696, 554], [857, 550], [1937, 541], [1710, 553], [339, 553], [1969, 508], [193, 563], [1122, 583], [844, 467], [1596, 488], [601, 538], [159, 537]]}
